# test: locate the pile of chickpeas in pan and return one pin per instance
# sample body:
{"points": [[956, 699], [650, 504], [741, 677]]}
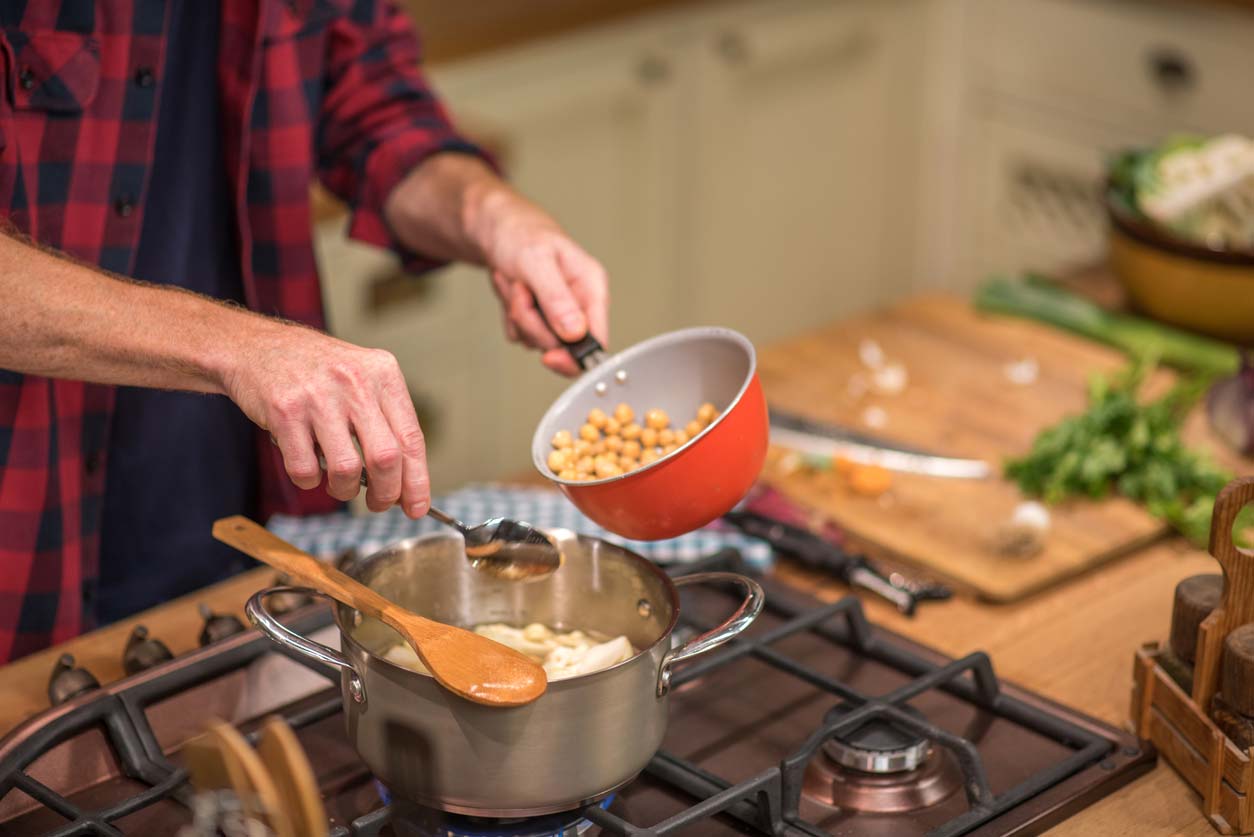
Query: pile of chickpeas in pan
{"points": [[609, 445]]}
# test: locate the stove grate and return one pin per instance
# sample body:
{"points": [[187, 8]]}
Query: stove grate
{"points": [[769, 801]]}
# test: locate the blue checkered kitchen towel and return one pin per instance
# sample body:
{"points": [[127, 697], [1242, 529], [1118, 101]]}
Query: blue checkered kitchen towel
{"points": [[329, 535]]}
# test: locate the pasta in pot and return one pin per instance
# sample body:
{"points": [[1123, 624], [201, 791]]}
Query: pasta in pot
{"points": [[563, 654]]}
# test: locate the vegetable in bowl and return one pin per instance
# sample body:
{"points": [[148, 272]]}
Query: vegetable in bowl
{"points": [[1199, 189]]}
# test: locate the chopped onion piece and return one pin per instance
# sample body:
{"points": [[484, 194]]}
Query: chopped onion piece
{"points": [[1023, 372], [890, 379], [874, 417], [870, 353]]}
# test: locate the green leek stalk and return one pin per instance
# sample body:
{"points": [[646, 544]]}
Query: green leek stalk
{"points": [[1138, 337]]}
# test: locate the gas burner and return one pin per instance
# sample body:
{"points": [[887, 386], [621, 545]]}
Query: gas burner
{"points": [[880, 767], [409, 820], [879, 746]]}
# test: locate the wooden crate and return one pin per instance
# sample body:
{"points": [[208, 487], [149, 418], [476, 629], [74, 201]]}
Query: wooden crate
{"points": [[1177, 723]]}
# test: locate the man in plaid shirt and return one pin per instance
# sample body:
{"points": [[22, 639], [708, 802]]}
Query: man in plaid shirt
{"points": [[175, 142]]}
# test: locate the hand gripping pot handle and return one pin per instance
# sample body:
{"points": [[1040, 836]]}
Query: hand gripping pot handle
{"points": [[713, 638], [291, 641]]}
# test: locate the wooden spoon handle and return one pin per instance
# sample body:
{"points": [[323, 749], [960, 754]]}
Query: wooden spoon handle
{"points": [[253, 539]]}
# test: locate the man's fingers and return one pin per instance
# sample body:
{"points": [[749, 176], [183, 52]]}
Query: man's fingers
{"points": [[398, 409], [343, 462], [296, 443], [590, 286], [560, 361], [543, 275], [382, 454], [522, 312]]}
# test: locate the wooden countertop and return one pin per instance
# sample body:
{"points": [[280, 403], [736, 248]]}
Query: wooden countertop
{"points": [[1073, 643]]}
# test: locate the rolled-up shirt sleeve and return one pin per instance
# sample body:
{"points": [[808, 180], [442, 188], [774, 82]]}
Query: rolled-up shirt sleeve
{"points": [[380, 119]]}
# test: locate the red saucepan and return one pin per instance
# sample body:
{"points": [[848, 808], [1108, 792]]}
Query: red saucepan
{"points": [[676, 372]]}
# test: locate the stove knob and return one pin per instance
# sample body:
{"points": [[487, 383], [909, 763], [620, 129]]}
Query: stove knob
{"points": [[218, 625], [142, 652], [286, 602], [69, 682]]}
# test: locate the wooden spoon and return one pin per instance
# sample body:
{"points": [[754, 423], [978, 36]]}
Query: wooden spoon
{"points": [[463, 662]]}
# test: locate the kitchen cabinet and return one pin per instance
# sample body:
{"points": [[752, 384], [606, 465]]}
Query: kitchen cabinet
{"points": [[1045, 91], [805, 119]]}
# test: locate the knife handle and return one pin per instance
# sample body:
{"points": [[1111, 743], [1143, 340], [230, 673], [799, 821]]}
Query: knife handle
{"points": [[802, 545]]}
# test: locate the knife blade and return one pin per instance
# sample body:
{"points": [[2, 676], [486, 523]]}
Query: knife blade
{"points": [[822, 439]]}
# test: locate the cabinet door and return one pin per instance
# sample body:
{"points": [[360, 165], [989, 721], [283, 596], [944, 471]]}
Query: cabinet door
{"points": [[588, 130], [1034, 197], [804, 160]]}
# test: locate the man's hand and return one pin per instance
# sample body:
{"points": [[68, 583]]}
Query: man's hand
{"points": [[314, 392], [453, 206], [532, 261], [66, 320]]}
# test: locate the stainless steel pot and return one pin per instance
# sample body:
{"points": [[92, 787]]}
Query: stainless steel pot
{"points": [[584, 738]]}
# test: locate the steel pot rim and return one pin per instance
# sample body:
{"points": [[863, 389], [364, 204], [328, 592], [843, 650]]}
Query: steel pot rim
{"points": [[672, 592], [538, 443]]}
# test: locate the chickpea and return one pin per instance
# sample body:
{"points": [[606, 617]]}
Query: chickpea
{"points": [[657, 419], [648, 455], [563, 439], [681, 438], [598, 447], [614, 444], [608, 469], [666, 437], [624, 413], [597, 417], [568, 474], [582, 448], [611, 458], [668, 449], [693, 427], [559, 460], [631, 449], [585, 465], [628, 464], [612, 426], [589, 433], [706, 413], [648, 437], [631, 430]]}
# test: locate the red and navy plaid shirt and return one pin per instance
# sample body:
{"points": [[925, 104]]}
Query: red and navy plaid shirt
{"points": [[311, 89]]}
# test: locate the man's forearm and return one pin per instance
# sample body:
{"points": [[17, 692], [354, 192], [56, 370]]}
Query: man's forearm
{"points": [[66, 320], [442, 207]]}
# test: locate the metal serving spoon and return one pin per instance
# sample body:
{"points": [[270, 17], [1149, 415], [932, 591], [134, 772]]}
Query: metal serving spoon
{"points": [[503, 548], [508, 549]]}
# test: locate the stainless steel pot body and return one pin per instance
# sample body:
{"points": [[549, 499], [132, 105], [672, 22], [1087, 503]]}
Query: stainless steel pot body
{"points": [[585, 737]]}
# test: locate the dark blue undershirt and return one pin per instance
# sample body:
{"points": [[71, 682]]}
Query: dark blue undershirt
{"points": [[178, 461]]}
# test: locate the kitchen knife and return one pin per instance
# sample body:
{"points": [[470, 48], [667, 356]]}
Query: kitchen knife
{"points": [[855, 570], [821, 439]]}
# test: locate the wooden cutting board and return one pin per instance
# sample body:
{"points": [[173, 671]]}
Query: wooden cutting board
{"points": [[958, 402]]}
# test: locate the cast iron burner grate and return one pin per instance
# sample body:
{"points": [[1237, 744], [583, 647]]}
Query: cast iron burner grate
{"points": [[1093, 758]]}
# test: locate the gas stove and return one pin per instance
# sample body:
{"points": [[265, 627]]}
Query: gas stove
{"points": [[815, 722]]}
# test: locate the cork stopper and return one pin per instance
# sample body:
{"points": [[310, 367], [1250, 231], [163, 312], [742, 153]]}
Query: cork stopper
{"points": [[1196, 597], [1237, 671]]}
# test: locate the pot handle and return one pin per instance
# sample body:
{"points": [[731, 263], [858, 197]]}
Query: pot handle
{"points": [[284, 636], [713, 638]]}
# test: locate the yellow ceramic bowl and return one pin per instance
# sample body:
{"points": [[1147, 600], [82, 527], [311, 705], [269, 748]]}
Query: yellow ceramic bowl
{"points": [[1178, 282]]}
